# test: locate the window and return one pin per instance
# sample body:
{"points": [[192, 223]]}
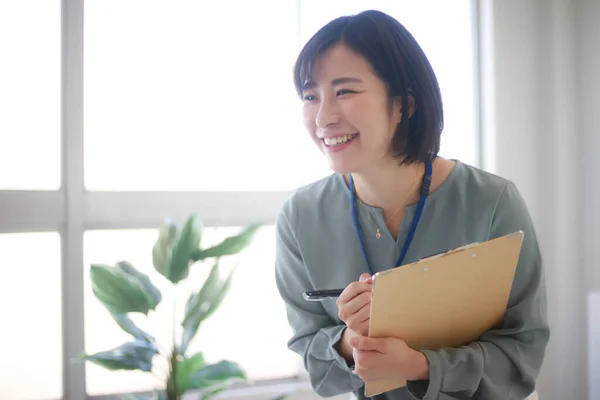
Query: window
{"points": [[235, 93], [30, 290], [30, 95], [188, 107], [162, 100]]}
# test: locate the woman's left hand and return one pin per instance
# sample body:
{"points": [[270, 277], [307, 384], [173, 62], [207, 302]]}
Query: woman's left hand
{"points": [[387, 358]]}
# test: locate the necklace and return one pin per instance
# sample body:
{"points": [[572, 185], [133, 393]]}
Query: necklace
{"points": [[377, 232], [425, 185]]}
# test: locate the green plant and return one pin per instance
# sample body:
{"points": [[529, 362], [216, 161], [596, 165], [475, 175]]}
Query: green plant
{"points": [[124, 290]]}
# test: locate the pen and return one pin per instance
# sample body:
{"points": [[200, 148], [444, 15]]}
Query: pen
{"points": [[318, 295]]}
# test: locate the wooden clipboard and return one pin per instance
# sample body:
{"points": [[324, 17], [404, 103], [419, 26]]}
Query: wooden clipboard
{"points": [[447, 300]]}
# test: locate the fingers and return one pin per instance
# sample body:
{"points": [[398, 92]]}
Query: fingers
{"points": [[365, 343], [363, 314], [359, 321], [347, 311], [352, 290], [354, 304]]}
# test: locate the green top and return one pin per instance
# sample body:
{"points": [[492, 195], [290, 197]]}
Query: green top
{"points": [[318, 248]]}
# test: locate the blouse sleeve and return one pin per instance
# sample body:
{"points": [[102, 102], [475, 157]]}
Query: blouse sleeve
{"points": [[315, 335]]}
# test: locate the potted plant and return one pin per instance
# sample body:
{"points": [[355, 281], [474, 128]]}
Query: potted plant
{"points": [[124, 290]]}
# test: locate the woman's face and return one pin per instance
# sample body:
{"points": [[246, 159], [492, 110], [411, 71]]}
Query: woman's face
{"points": [[347, 111]]}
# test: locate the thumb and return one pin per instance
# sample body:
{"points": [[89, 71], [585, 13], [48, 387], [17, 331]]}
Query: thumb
{"points": [[365, 278], [367, 343]]}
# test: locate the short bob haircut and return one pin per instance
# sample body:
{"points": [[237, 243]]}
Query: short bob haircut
{"points": [[398, 60]]}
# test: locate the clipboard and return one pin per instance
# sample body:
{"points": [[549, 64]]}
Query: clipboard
{"points": [[446, 300]]}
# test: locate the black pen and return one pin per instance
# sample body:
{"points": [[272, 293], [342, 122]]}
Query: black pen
{"points": [[318, 295]]}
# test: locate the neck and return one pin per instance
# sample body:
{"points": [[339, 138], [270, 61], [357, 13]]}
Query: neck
{"points": [[387, 186]]}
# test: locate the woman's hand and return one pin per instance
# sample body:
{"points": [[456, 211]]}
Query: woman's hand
{"points": [[387, 358], [354, 305]]}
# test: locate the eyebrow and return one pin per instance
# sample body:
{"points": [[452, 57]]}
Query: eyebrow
{"points": [[337, 81]]}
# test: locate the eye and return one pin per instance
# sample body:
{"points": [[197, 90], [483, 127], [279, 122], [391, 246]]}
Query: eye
{"points": [[309, 97], [342, 92]]}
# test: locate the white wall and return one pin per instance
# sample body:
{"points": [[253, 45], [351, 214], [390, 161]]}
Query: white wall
{"points": [[588, 85], [588, 41], [542, 93]]}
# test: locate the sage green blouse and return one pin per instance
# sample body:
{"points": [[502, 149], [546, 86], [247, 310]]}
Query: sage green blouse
{"points": [[318, 248]]}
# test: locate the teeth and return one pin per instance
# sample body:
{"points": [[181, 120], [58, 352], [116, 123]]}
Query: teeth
{"points": [[338, 140]]}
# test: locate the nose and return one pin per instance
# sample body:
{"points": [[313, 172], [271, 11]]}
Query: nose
{"points": [[327, 114]]}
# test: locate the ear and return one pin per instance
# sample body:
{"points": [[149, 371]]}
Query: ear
{"points": [[397, 108], [412, 105]]}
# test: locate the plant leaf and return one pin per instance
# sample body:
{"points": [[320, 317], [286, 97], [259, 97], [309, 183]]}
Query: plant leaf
{"points": [[184, 370], [186, 244], [152, 293], [218, 298], [201, 306], [215, 374], [136, 355], [209, 289], [229, 246], [163, 248], [194, 373], [128, 326], [197, 304], [213, 392], [119, 291]]}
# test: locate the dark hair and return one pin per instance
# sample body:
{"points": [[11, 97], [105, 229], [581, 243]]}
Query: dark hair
{"points": [[400, 63]]}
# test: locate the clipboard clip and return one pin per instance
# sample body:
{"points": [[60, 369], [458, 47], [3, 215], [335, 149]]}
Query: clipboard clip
{"points": [[448, 252]]}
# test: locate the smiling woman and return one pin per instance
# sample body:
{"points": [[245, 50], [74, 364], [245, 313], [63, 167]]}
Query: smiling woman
{"points": [[373, 107]]}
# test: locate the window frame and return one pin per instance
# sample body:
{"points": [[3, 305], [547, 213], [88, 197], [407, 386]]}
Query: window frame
{"points": [[72, 209]]}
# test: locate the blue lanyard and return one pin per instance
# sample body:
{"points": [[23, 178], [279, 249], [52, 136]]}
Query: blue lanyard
{"points": [[424, 193]]}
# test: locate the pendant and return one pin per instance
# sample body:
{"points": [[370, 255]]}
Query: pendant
{"points": [[377, 234]]}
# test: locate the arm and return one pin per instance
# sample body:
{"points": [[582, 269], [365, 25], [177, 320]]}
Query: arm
{"points": [[316, 337], [504, 363]]}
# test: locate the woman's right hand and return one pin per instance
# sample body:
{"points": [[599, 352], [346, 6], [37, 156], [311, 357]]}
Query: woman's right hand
{"points": [[354, 305]]}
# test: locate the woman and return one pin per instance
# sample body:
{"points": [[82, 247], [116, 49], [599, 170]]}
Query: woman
{"points": [[373, 106]]}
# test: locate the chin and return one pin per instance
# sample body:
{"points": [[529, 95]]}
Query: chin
{"points": [[342, 167]]}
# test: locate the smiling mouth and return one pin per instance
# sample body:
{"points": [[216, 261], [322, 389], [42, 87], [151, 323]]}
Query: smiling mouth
{"points": [[337, 141]]}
